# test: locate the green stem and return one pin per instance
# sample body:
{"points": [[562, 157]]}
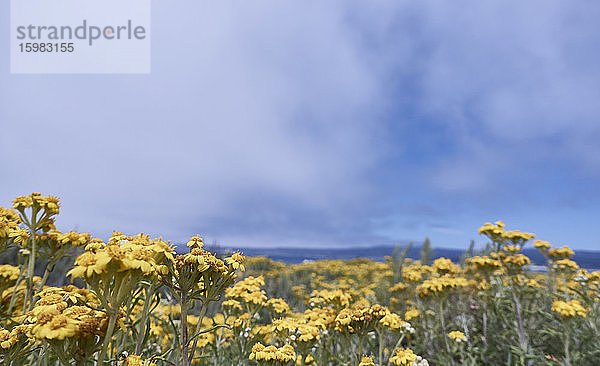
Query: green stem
{"points": [[13, 297], [380, 336], [184, 331], [125, 336], [147, 303], [443, 325], [199, 327], [485, 342], [107, 337], [360, 347], [114, 305], [49, 268], [42, 354], [567, 342], [521, 330], [31, 264], [396, 346]]}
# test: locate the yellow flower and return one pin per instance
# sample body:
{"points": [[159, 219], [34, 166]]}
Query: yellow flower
{"points": [[236, 261], [88, 264], [512, 248], [483, 263], [517, 237], [541, 244], [457, 336], [134, 360], [234, 304], [398, 287], [559, 253], [6, 341], [52, 205], [569, 309], [366, 361], [195, 242], [440, 285], [445, 265], [403, 357], [517, 259], [8, 272], [335, 298], [392, 321], [22, 202], [75, 239], [138, 257], [95, 245], [59, 327], [19, 236], [411, 314], [566, 264], [278, 305], [272, 353]]}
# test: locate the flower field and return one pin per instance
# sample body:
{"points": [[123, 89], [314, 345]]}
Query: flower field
{"points": [[134, 301]]}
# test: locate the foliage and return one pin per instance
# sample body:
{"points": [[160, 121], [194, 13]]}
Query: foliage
{"points": [[139, 303]]}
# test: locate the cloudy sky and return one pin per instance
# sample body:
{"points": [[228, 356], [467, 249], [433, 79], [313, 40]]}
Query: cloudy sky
{"points": [[269, 123]]}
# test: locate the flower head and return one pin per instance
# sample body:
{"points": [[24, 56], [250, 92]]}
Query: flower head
{"points": [[569, 309]]}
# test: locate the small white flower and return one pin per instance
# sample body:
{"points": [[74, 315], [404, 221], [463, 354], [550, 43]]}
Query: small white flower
{"points": [[580, 278], [408, 328]]}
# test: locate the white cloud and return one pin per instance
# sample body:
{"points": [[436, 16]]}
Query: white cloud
{"points": [[267, 119], [258, 99]]}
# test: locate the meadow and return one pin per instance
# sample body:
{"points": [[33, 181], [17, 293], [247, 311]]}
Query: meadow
{"points": [[133, 300]]}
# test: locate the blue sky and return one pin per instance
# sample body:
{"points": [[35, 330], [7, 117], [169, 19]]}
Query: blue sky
{"points": [[315, 123]]}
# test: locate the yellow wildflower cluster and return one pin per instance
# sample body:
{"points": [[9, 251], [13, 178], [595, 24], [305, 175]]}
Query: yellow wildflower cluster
{"points": [[415, 272], [411, 314], [272, 353], [8, 273], [440, 285], [444, 266], [561, 253], [67, 312], [457, 336], [48, 203], [541, 244], [10, 338], [406, 357], [9, 228], [497, 234], [565, 264], [334, 298], [71, 238], [298, 330], [518, 260], [366, 361], [134, 360], [279, 306], [483, 264], [364, 319], [144, 305], [123, 253], [493, 231], [569, 309], [248, 291]]}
